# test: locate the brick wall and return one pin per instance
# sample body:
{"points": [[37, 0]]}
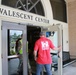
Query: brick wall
{"points": [[72, 26]]}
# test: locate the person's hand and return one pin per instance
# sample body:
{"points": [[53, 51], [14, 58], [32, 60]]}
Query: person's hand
{"points": [[30, 72], [35, 58], [59, 49]]}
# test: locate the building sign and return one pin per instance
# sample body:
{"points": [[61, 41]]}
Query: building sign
{"points": [[22, 15]]}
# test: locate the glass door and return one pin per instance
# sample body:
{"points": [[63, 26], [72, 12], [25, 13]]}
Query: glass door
{"points": [[54, 34], [14, 53]]}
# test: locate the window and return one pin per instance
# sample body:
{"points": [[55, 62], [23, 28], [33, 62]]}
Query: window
{"points": [[59, 10], [33, 6]]}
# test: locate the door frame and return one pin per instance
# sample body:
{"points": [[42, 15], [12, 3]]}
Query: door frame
{"points": [[11, 25], [57, 28]]}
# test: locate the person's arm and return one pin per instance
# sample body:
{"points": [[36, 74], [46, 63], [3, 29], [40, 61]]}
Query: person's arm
{"points": [[35, 55], [57, 48]]}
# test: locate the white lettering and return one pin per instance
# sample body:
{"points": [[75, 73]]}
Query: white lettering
{"points": [[45, 45]]}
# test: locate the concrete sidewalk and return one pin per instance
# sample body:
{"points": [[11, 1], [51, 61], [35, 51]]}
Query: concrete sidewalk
{"points": [[70, 69]]}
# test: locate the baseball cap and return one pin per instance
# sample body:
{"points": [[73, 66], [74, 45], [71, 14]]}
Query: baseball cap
{"points": [[42, 33]]}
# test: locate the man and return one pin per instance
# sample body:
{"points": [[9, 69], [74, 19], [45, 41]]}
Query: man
{"points": [[42, 54], [19, 52]]}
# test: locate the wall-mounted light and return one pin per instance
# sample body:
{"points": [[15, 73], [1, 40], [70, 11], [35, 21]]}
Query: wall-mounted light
{"points": [[52, 33]]}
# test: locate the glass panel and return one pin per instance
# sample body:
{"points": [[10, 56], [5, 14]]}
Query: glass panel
{"points": [[15, 62], [52, 35], [59, 10], [25, 5], [14, 35], [13, 66]]}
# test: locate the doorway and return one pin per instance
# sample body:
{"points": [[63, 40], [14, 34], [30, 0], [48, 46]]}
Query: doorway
{"points": [[11, 33], [32, 36], [53, 33], [10, 59]]}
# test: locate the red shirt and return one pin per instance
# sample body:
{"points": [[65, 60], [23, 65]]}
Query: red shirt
{"points": [[43, 46]]}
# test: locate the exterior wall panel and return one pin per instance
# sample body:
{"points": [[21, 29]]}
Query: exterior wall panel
{"points": [[71, 6]]}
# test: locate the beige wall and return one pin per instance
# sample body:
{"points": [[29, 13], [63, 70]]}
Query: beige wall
{"points": [[71, 9]]}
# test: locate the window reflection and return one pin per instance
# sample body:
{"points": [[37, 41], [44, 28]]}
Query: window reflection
{"points": [[13, 36], [15, 66]]}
